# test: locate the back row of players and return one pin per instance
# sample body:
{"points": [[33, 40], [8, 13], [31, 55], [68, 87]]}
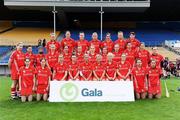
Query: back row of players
{"points": [[83, 60]]}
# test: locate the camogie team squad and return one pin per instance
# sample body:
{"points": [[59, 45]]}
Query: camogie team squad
{"points": [[82, 60]]}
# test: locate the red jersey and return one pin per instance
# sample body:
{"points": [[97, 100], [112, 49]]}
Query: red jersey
{"points": [[80, 57], [117, 56], [139, 75], [143, 55], [135, 43], [56, 43], [109, 44], [122, 44], [99, 69], [130, 56], [84, 44], [159, 58], [60, 70], [17, 59], [111, 68], [27, 76], [92, 58], [52, 58], [104, 58], [67, 57], [38, 59], [97, 44], [32, 58], [73, 68], [43, 75], [124, 69], [86, 69], [154, 76], [68, 42]]}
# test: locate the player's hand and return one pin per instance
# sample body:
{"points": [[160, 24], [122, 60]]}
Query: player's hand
{"points": [[34, 88]]}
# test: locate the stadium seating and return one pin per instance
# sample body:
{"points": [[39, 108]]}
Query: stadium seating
{"points": [[29, 36]]}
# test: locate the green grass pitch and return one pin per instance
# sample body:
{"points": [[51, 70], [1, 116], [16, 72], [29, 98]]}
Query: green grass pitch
{"points": [[161, 109]]}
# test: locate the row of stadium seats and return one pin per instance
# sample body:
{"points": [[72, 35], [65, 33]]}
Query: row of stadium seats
{"points": [[4, 50]]}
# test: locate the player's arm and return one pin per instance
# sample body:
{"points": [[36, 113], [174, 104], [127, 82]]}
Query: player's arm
{"points": [[82, 75], [54, 73], [76, 76], [70, 75], [89, 75], [118, 73], [49, 79], [20, 83], [65, 75], [114, 75], [129, 71], [34, 82], [104, 72], [109, 78], [94, 73]]}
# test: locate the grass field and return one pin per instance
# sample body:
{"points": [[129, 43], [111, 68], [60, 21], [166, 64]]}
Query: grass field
{"points": [[162, 109]]}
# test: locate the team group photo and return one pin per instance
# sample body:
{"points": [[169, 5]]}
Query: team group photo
{"points": [[89, 59]]}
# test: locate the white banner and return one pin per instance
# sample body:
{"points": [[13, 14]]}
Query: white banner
{"points": [[91, 91]]}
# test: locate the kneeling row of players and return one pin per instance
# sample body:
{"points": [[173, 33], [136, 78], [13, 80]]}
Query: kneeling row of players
{"points": [[146, 80]]}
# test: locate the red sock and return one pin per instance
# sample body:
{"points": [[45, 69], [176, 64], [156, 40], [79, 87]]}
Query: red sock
{"points": [[13, 92]]}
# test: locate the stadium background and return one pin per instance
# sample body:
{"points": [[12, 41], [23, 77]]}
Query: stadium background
{"points": [[153, 25]]}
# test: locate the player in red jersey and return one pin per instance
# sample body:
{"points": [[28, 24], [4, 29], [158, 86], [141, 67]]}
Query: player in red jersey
{"points": [[130, 55], [95, 42], [111, 67], [98, 70], [52, 57], [67, 55], [27, 81], [54, 42], [39, 56], [86, 69], [139, 77], [82, 42], [92, 54], [73, 69], [159, 58], [154, 84], [134, 42], [29, 54], [108, 43], [123, 69], [68, 41], [43, 77], [80, 54], [16, 61], [143, 55], [117, 53], [60, 69], [104, 54], [121, 41]]}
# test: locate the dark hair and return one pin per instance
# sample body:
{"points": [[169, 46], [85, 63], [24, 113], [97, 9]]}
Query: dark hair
{"points": [[132, 33]]}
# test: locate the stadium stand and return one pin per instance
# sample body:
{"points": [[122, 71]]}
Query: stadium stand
{"points": [[166, 53], [5, 26], [29, 36]]}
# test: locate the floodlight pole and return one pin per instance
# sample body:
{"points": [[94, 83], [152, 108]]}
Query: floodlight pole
{"points": [[54, 12], [101, 12]]}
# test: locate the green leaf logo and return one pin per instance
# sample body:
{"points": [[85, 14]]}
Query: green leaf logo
{"points": [[69, 92]]}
